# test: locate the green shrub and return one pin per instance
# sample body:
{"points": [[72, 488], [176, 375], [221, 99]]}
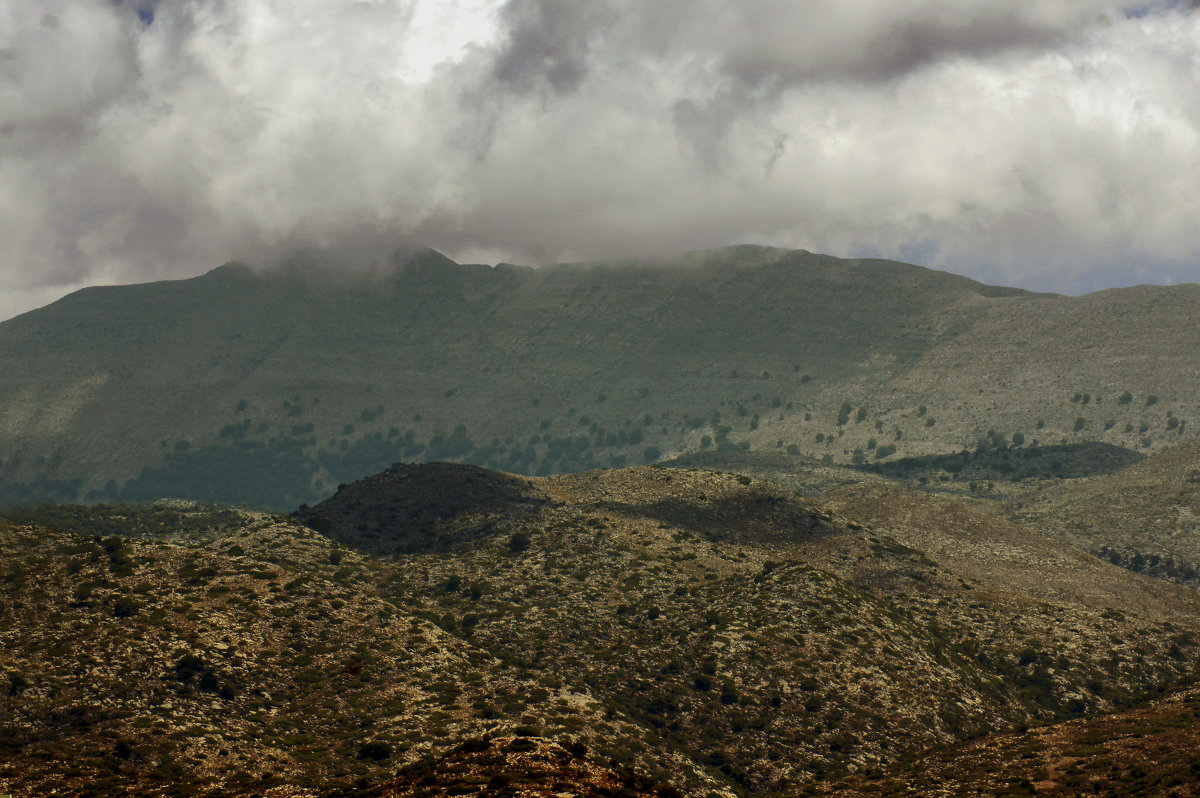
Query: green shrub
{"points": [[376, 751], [125, 607]]}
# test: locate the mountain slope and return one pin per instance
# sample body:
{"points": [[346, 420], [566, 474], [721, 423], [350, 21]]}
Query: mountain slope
{"points": [[1143, 517], [271, 387], [761, 633], [639, 631], [1147, 751], [261, 659]]}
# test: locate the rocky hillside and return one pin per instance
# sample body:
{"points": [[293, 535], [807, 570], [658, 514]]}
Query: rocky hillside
{"points": [[270, 387], [1151, 750], [1144, 517], [644, 631]]}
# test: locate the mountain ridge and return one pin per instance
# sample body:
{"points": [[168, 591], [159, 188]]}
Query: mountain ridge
{"points": [[129, 393]]}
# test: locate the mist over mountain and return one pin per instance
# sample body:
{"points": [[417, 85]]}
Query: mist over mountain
{"points": [[270, 386], [299, 499]]}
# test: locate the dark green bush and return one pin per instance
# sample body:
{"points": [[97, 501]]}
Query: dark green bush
{"points": [[376, 751]]}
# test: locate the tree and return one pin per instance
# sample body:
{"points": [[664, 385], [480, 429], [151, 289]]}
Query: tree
{"points": [[376, 751]]}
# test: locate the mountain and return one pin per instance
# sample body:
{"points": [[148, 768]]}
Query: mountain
{"points": [[441, 629], [270, 386]]}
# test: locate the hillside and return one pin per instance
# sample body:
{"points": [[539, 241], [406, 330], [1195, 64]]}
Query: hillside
{"points": [[262, 659], [269, 387], [1143, 517], [1147, 751], [644, 631]]}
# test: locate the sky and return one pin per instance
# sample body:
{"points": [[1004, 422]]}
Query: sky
{"points": [[1050, 144]]}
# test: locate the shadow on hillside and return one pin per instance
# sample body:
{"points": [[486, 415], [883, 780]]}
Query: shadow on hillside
{"points": [[739, 519]]}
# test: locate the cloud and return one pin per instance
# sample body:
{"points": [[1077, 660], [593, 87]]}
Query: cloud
{"points": [[1052, 144]]}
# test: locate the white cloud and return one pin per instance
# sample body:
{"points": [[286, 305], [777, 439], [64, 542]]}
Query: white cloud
{"points": [[1049, 143]]}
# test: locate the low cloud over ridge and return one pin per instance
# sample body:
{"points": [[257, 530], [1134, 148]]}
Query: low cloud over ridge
{"points": [[1051, 144]]}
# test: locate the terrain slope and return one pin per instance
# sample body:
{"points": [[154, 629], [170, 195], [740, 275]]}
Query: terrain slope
{"points": [[1144, 517], [270, 386], [636, 631]]}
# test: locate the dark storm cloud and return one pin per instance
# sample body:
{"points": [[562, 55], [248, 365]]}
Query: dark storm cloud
{"points": [[547, 44], [1052, 143]]}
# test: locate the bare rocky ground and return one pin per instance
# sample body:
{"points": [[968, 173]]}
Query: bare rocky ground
{"points": [[621, 632]]}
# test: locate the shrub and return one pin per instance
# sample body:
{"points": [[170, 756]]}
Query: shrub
{"points": [[1080, 423], [17, 684], [1125, 398], [125, 607], [1018, 439], [1151, 400], [652, 454], [208, 681], [188, 665], [519, 542], [376, 751], [729, 695]]}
